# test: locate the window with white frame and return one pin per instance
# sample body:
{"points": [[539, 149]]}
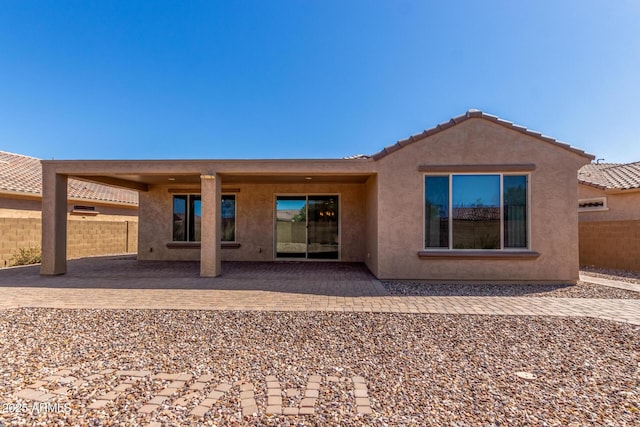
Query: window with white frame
{"points": [[476, 211], [593, 204], [187, 217]]}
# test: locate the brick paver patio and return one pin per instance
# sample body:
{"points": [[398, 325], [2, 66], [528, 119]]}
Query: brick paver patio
{"points": [[123, 283]]}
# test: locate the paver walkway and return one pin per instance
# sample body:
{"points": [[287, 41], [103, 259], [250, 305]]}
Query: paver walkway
{"points": [[608, 282], [126, 284], [618, 310]]}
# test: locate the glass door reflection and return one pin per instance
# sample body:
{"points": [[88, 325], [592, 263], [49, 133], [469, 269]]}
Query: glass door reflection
{"points": [[307, 227], [322, 227], [291, 227]]}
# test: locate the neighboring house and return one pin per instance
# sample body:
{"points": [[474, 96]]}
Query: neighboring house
{"points": [[474, 199], [102, 219], [609, 214]]}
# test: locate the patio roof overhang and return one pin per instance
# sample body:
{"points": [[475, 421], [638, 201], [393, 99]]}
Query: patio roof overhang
{"points": [[140, 175]]}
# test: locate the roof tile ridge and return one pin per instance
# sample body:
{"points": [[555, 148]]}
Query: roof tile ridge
{"points": [[612, 166], [19, 155], [621, 165], [475, 113]]}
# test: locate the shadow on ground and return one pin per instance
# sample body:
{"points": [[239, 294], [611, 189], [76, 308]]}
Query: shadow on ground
{"points": [[319, 278]]}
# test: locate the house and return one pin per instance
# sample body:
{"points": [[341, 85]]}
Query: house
{"points": [[609, 215], [475, 199], [102, 219]]}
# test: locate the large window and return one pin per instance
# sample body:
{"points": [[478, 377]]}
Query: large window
{"points": [[187, 218], [476, 211]]}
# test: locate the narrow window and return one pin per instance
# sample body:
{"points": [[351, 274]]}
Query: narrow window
{"points": [[436, 212], [515, 211], [180, 218], [195, 218], [228, 208], [594, 204]]}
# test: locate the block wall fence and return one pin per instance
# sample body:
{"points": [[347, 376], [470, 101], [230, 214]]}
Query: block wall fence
{"points": [[610, 244], [84, 238]]}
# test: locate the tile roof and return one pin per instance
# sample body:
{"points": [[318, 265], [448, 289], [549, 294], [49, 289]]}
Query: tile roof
{"points": [[357, 157], [477, 114], [23, 174], [611, 175], [476, 213]]}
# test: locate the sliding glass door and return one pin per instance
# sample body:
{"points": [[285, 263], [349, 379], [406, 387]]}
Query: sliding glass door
{"points": [[291, 227], [322, 227], [307, 227]]}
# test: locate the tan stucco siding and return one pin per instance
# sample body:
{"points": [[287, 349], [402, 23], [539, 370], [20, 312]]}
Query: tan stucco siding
{"points": [[553, 198], [610, 238], [622, 206], [20, 207], [31, 207], [371, 217], [255, 216]]}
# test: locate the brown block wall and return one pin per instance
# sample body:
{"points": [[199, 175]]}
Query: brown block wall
{"points": [[17, 233], [91, 238], [84, 238], [610, 244]]}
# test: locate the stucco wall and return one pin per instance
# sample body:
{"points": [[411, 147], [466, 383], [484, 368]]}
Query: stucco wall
{"points": [[20, 207], [554, 222], [255, 215], [371, 216], [622, 206], [31, 207], [611, 238]]}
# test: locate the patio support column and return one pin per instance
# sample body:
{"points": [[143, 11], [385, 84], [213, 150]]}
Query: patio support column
{"points": [[54, 223], [211, 229]]}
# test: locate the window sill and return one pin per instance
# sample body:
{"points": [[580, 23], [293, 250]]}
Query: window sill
{"points": [[581, 210], [474, 254], [183, 245], [230, 245], [196, 245], [84, 213]]}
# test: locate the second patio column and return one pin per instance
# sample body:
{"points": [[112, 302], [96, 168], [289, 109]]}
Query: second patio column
{"points": [[54, 223], [210, 263]]}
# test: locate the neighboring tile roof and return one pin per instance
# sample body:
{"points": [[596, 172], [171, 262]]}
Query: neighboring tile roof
{"points": [[357, 157], [611, 175], [23, 174], [476, 214], [476, 114]]}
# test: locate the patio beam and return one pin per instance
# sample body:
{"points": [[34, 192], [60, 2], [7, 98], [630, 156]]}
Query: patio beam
{"points": [[117, 182], [54, 223], [211, 229]]}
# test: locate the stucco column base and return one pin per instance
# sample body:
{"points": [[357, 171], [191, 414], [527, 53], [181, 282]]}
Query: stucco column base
{"points": [[211, 229], [54, 223]]}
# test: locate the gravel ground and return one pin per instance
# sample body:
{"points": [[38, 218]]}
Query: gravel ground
{"points": [[441, 370], [579, 290], [605, 273]]}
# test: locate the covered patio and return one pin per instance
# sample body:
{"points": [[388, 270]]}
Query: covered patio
{"points": [[255, 189], [125, 272]]}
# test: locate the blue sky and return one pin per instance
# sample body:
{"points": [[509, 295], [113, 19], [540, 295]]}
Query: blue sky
{"points": [[297, 79]]}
